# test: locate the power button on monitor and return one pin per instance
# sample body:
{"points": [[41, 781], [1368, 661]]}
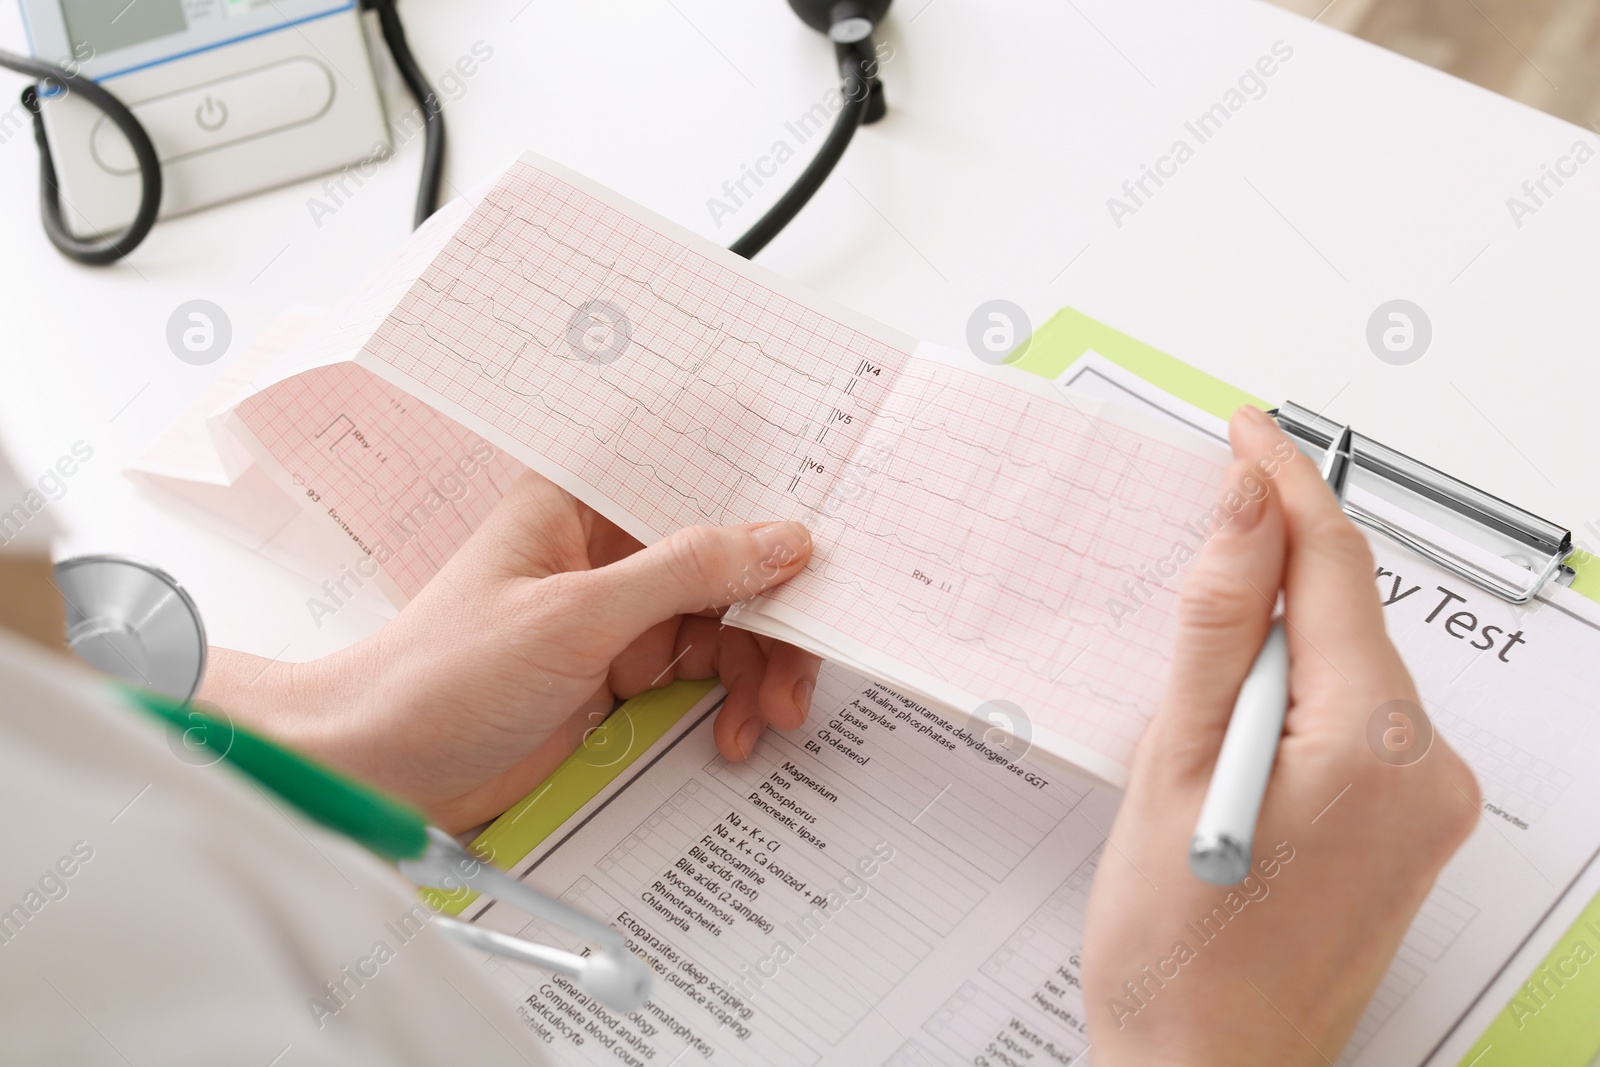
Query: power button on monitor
{"points": [[202, 118], [211, 114]]}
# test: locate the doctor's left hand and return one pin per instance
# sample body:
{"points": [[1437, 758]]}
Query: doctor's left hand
{"points": [[521, 644]]}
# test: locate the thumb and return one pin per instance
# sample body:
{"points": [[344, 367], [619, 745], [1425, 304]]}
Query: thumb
{"points": [[696, 569], [1228, 597]]}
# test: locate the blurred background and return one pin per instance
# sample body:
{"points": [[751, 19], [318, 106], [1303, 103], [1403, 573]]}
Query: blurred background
{"points": [[1543, 53]]}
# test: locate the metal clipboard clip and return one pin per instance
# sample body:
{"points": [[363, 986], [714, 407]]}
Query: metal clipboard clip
{"points": [[1505, 530]]}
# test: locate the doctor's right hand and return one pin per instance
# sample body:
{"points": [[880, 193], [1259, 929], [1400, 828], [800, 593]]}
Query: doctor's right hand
{"points": [[1278, 969]]}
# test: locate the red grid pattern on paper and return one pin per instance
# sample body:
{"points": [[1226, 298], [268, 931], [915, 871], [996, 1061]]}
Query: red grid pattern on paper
{"points": [[725, 403], [987, 548], [984, 543], [407, 484]]}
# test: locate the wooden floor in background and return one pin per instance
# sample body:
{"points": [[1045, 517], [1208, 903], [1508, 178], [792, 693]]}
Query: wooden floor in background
{"points": [[1545, 53]]}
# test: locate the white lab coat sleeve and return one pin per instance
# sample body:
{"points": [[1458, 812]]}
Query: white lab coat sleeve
{"points": [[157, 912]]}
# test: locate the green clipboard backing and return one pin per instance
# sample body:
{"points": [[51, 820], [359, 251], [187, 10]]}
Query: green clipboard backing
{"points": [[1553, 1020], [1561, 1032], [604, 754], [1069, 333]]}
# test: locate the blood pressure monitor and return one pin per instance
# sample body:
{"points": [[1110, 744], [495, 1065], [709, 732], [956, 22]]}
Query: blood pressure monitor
{"points": [[149, 108], [236, 95]]}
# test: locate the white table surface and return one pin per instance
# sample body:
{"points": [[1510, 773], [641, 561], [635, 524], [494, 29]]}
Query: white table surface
{"points": [[1357, 178]]}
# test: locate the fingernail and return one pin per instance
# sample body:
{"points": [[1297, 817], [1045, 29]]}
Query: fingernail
{"points": [[781, 543], [802, 694], [1254, 415], [748, 735]]}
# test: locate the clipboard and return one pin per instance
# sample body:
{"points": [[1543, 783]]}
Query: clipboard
{"points": [[1499, 528], [1568, 1034], [1566, 1037]]}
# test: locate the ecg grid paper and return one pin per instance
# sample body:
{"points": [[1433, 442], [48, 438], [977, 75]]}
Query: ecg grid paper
{"points": [[988, 541], [970, 529], [405, 484], [730, 403]]}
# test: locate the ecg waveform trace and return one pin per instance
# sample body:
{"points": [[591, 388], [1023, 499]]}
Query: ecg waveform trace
{"points": [[988, 547], [756, 397], [985, 531], [406, 484]]}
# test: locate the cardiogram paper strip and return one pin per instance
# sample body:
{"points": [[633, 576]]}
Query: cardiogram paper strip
{"points": [[406, 485], [974, 531], [727, 401]]}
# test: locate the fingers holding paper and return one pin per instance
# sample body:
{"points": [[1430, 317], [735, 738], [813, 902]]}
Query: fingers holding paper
{"points": [[516, 650], [769, 683]]}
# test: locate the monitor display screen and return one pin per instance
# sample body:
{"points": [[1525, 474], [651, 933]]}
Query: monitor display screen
{"points": [[108, 25]]}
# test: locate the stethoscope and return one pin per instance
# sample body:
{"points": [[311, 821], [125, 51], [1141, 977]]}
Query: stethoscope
{"points": [[135, 623], [849, 24]]}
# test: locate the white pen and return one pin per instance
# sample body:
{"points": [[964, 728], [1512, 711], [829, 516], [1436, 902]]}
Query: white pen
{"points": [[1219, 852]]}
